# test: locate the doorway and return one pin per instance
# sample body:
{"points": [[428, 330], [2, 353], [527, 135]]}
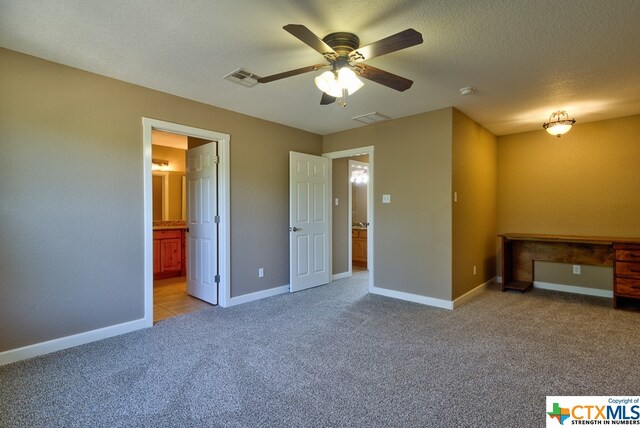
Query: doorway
{"points": [[222, 218], [342, 214], [168, 165], [358, 183]]}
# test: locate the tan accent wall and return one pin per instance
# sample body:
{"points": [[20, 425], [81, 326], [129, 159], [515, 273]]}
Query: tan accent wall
{"points": [[586, 182], [412, 163], [475, 212], [71, 197]]}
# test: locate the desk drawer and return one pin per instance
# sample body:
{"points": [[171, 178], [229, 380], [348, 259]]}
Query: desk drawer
{"points": [[630, 255], [628, 286], [628, 269]]}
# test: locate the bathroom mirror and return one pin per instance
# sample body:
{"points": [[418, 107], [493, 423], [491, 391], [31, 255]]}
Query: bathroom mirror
{"points": [[359, 173], [169, 198], [168, 177]]}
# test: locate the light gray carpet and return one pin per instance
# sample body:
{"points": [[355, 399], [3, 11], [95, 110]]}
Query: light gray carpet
{"points": [[336, 356]]}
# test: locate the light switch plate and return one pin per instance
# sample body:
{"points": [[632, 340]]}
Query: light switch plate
{"points": [[386, 199]]}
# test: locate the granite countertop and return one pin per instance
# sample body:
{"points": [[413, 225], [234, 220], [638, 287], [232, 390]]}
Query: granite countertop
{"points": [[169, 224]]}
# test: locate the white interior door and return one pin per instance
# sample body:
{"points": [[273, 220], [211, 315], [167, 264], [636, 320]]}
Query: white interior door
{"points": [[202, 235], [309, 220]]}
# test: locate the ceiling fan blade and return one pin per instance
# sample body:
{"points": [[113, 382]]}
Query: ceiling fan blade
{"points": [[396, 42], [306, 36], [327, 99], [385, 78], [290, 73]]}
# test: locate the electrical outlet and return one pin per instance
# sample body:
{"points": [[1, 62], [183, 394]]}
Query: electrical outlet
{"points": [[260, 272], [455, 196], [576, 270]]}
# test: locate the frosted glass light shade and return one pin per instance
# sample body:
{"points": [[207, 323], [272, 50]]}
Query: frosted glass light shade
{"points": [[348, 80], [559, 123], [558, 129], [332, 83], [328, 84]]}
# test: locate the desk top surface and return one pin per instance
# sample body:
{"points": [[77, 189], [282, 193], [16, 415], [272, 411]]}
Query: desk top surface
{"points": [[568, 238]]}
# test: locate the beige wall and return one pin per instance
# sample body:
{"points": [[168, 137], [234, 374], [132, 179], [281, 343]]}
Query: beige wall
{"points": [[341, 229], [71, 201], [475, 212], [585, 183], [412, 162]]}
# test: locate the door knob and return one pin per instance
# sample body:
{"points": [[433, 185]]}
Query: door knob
{"points": [[294, 229]]}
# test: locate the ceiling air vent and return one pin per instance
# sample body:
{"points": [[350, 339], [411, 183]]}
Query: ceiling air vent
{"points": [[371, 117], [242, 77]]}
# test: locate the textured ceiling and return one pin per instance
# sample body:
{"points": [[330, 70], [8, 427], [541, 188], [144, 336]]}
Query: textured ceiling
{"points": [[526, 58]]}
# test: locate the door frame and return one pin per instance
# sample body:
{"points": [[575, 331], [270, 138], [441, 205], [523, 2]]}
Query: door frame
{"points": [[148, 125], [367, 150]]}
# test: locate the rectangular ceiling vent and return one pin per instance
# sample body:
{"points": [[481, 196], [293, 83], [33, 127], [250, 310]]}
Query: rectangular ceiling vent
{"points": [[242, 77], [371, 117]]}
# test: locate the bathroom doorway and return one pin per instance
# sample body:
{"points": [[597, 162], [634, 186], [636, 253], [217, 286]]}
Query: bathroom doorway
{"points": [[352, 216], [168, 165], [207, 271]]}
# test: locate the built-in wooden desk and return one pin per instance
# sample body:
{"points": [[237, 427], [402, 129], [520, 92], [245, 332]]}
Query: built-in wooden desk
{"points": [[520, 250]]}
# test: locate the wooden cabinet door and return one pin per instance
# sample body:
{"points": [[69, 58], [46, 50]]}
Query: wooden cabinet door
{"points": [[359, 248], [171, 255]]}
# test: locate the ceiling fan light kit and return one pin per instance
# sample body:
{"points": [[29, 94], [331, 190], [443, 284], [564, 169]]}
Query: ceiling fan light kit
{"points": [[345, 56]]}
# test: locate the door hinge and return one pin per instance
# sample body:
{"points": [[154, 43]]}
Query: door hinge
{"points": [[216, 279], [216, 159], [216, 219]]}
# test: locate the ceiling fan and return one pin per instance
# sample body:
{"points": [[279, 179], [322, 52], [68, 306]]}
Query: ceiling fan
{"points": [[345, 62]]}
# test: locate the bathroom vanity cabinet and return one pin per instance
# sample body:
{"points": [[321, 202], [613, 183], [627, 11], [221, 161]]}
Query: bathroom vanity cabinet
{"points": [[168, 253]]}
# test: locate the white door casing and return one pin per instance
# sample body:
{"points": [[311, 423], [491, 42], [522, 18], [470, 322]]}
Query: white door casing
{"points": [[309, 241], [202, 211]]}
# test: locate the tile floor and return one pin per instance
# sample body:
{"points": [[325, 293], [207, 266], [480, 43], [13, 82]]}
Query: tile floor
{"points": [[170, 299]]}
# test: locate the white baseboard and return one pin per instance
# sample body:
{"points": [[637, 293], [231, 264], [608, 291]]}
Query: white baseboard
{"points": [[416, 298], [246, 298], [574, 289], [340, 275], [471, 294], [30, 351]]}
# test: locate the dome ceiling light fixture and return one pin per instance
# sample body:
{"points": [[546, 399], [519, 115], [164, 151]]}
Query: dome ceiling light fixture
{"points": [[559, 123]]}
